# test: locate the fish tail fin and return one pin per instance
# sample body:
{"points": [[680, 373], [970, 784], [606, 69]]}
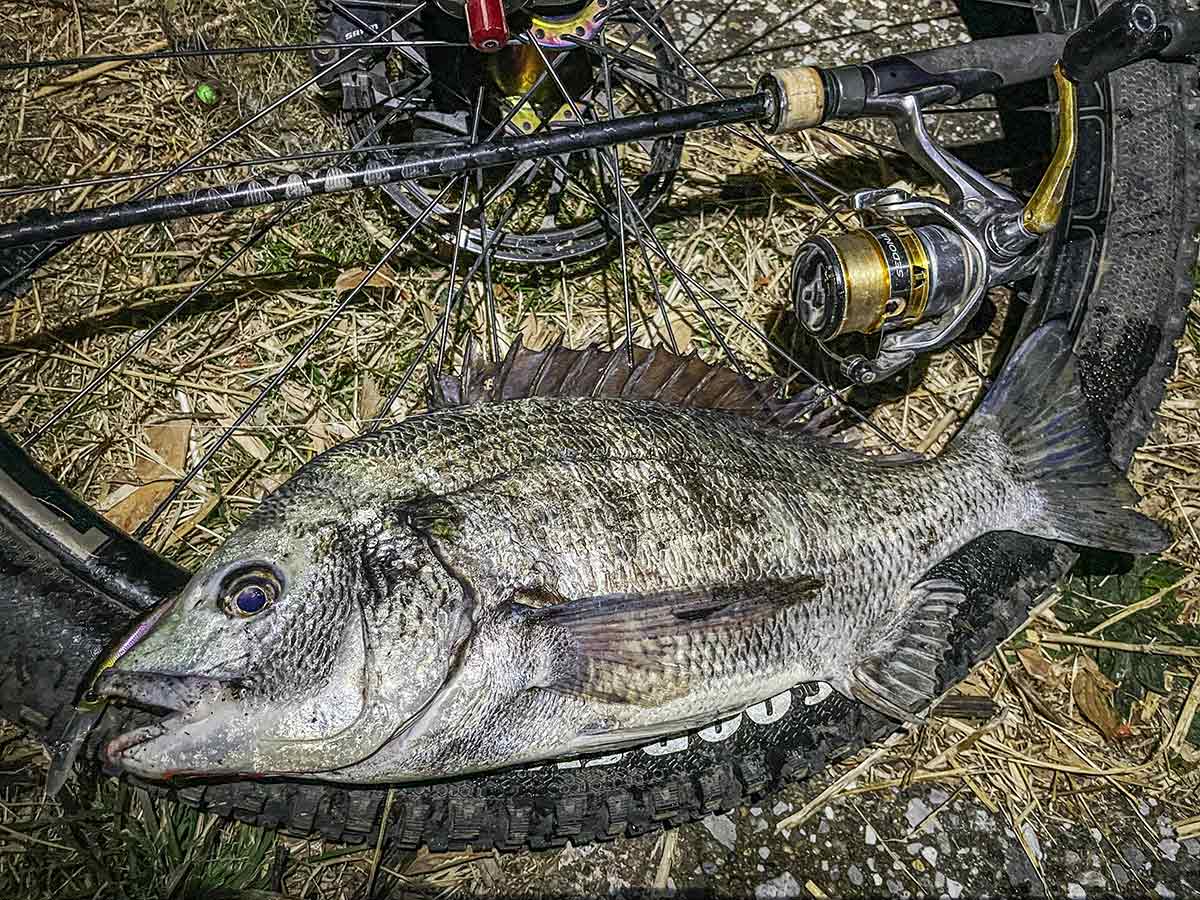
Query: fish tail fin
{"points": [[1037, 408]]}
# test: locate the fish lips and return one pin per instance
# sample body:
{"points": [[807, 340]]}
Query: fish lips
{"points": [[185, 699]]}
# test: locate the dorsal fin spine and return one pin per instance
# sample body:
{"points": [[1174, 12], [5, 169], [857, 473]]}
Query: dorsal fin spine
{"points": [[547, 357], [699, 386], [582, 358], [680, 367], [733, 388], [615, 357], [636, 375], [506, 367]]}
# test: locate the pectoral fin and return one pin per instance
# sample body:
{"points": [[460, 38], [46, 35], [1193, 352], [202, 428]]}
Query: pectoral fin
{"points": [[900, 679], [645, 649]]}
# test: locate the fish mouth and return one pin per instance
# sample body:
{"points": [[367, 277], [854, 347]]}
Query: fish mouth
{"points": [[183, 698]]}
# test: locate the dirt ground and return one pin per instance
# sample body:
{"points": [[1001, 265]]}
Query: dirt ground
{"points": [[1082, 779]]}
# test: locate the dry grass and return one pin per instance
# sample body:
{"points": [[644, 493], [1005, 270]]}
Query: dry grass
{"points": [[1045, 754]]}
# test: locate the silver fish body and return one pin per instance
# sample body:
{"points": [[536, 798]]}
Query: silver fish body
{"points": [[543, 577]]}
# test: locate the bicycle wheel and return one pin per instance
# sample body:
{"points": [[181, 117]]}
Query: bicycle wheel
{"points": [[272, 362]]}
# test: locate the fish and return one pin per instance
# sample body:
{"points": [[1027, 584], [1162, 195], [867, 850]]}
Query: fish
{"points": [[578, 551]]}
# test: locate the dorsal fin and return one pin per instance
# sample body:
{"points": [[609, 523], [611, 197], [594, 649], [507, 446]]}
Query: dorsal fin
{"points": [[657, 375]]}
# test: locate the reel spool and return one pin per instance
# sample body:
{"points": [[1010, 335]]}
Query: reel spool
{"points": [[870, 279]]}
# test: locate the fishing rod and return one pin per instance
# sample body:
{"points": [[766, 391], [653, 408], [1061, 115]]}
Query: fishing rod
{"points": [[439, 160]]}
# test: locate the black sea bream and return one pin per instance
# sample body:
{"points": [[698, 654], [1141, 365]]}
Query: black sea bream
{"points": [[510, 580]]}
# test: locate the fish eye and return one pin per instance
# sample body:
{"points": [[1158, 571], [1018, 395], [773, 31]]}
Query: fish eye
{"points": [[250, 591]]}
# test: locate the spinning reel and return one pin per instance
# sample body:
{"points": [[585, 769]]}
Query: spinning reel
{"points": [[918, 271]]}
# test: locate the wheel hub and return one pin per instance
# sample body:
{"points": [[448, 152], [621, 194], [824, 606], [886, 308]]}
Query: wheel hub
{"points": [[428, 93]]}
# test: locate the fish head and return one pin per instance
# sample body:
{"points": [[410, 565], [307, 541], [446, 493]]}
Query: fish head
{"points": [[267, 661]]}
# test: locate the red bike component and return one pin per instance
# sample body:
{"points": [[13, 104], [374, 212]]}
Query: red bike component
{"points": [[486, 25]]}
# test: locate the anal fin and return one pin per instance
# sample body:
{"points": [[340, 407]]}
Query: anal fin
{"points": [[900, 678]]}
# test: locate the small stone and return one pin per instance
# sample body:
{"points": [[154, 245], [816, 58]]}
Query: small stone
{"points": [[1169, 849], [829, 812], [855, 875], [756, 810], [1071, 858], [760, 868], [953, 888], [1135, 857], [1163, 891], [914, 848], [723, 829], [877, 880], [780, 808], [708, 867], [917, 812], [938, 797], [1076, 891], [939, 880], [759, 825], [894, 887], [930, 855], [870, 836], [1032, 838], [1192, 846], [781, 886], [763, 853], [1093, 878]]}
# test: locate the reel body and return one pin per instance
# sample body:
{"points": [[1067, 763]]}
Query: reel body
{"points": [[918, 269]]}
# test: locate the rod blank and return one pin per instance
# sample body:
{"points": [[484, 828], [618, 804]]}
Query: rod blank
{"points": [[417, 163]]}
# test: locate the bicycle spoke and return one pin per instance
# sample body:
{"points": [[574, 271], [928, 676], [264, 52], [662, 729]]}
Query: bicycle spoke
{"points": [[605, 52], [484, 254], [710, 25], [149, 334], [812, 42], [53, 247], [462, 212], [217, 52], [659, 300], [619, 190], [625, 201], [646, 231], [799, 175], [277, 379], [489, 290], [1019, 4], [688, 282], [859, 139], [782, 23]]}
